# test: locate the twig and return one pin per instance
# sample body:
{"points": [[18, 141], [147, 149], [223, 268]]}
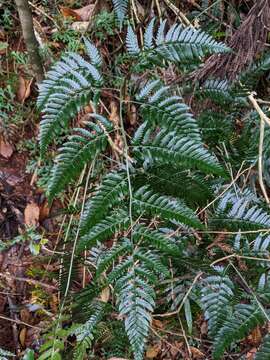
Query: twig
{"points": [[263, 119], [182, 17], [19, 322], [172, 313], [30, 281]]}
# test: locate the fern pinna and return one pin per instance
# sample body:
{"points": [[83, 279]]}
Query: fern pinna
{"points": [[141, 224]]}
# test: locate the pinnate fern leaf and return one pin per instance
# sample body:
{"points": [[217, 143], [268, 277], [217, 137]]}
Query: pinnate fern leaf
{"points": [[264, 351], [78, 150]]}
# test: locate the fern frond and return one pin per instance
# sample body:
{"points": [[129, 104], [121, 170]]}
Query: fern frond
{"points": [[152, 262], [145, 200], [111, 255], [170, 148], [80, 148], [172, 181], [120, 7], [177, 44], [161, 108], [85, 333], [264, 351], [239, 214], [103, 230], [156, 239], [244, 319], [136, 303], [111, 192], [216, 297], [69, 86]]}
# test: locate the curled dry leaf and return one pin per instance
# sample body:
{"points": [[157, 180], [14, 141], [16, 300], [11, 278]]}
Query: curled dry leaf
{"points": [[153, 351], [31, 214], [82, 14], [114, 115], [24, 89], [79, 26], [6, 150]]}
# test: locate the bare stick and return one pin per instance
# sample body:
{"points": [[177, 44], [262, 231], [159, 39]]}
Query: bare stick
{"points": [[30, 40], [263, 119]]}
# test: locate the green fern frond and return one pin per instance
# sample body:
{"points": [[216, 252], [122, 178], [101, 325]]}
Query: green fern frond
{"points": [[145, 200], [85, 333], [243, 320], [115, 223], [160, 108], [152, 262], [4, 354], [69, 86], [172, 181], [264, 351], [120, 7], [239, 214], [136, 303], [156, 239], [80, 148], [170, 148], [216, 297], [111, 255], [175, 45], [111, 192]]}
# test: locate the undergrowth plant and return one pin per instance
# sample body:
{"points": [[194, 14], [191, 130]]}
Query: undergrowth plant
{"points": [[172, 206]]}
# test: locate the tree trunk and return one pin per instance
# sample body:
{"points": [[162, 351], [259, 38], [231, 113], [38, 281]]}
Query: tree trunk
{"points": [[30, 40]]}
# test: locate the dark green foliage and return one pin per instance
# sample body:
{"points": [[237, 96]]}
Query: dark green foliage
{"points": [[153, 217], [244, 319], [264, 351], [177, 44]]}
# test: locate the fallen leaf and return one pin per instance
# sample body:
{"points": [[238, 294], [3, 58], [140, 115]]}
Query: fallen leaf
{"points": [[44, 211], [82, 14], [31, 214], [6, 150], [158, 323], [105, 295], [114, 116], [85, 12], [22, 336], [197, 354], [255, 337], [24, 89], [153, 351], [79, 26]]}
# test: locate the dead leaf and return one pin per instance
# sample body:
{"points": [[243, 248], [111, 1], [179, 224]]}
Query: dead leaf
{"points": [[132, 115], [251, 354], [82, 14], [44, 211], [22, 336], [6, 150], [105, 295], [79, 26], [197, 354], [255, 337], [114, 116], [158, 323], [85, 12], [24, 89], [31, 214], [153, 351]]}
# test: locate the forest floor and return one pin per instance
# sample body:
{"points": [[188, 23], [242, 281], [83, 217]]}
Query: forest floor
{"points": [[29, 228]]}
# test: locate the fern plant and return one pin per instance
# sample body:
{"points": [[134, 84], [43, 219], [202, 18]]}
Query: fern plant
{"points": [[141, 224]]}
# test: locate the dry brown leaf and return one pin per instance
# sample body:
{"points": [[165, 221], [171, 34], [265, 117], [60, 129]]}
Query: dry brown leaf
{"points": [[153, 351], [69, 13], [31, 214], [85, 12], [255, 337], [44, 211], [22, 336], [82, 14], [6, 150], [79, 26], [105, 295], [114, 116], [133, 115], [158, 323], [197, 354], [24, 89]]}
